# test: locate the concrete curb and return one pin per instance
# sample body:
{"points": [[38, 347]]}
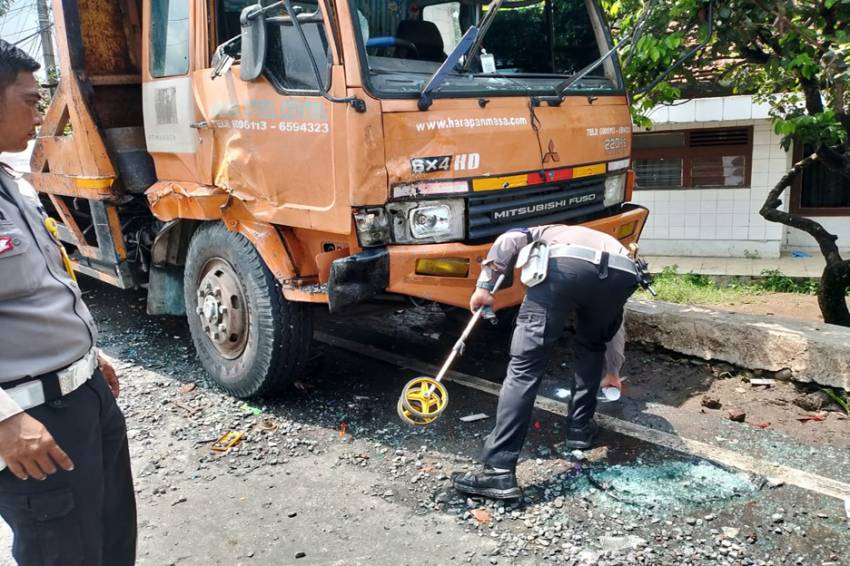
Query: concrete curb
{"points": [[814, 352]]}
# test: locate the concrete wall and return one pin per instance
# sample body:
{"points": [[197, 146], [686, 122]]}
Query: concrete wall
{"points": [[799, 240], [717, 222]]}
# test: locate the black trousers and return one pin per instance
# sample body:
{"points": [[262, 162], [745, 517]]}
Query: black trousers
{"points": [[572, 285], [87, 516]]}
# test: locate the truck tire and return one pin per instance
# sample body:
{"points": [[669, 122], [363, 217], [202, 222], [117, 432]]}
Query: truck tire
{"points": [[249, 338]]}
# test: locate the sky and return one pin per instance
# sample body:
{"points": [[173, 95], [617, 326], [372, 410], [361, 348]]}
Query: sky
{"points": [[20, 24]]}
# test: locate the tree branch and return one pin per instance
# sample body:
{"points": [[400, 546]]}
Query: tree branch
{"points": [[770, 211]]}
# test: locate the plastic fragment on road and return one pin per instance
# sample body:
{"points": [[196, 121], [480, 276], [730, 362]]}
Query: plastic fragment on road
{"points": [[762, 426], [811, 418], [762, 381], [246, 408], [474, 417], [800, 253], [481, 515], [537, 425], [562, 393], [227, 441], [343, 429]]}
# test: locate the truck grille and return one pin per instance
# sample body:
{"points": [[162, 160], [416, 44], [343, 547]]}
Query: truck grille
{"points": [[494, 212]]}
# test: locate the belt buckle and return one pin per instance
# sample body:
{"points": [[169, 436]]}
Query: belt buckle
{"points": [[80, 371]]}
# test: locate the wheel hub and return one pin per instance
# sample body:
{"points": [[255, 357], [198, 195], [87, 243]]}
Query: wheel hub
{"points": [[221, 308]]}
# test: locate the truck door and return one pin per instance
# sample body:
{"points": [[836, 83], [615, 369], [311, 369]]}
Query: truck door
{"points": [[168, 99], [272, 143]]}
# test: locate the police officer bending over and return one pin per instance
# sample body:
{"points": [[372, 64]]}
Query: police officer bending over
{"points": [[66, 490], [588, 273]]}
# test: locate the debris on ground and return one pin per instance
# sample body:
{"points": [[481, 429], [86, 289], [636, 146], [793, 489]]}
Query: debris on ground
{"points": [[474, 417], [227, 441], [762, 381], [711, 402], [256, 411], [737, 415], [481, 515], [815, 401], [811, 418]]}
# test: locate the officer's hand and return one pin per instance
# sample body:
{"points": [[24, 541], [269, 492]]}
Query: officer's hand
{"points": [[481, 298], [109, 374], [29, 449]]}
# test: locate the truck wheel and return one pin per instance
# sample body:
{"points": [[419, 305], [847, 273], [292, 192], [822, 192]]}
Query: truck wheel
{"points": [[249, 338]]}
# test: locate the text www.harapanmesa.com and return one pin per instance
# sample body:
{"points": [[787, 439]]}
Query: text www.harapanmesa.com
{"points": [[459, 123]]}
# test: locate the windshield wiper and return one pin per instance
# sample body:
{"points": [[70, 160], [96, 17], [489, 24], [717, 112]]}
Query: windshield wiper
{"points": [[485, 27], [468, 44], [439, 76]]}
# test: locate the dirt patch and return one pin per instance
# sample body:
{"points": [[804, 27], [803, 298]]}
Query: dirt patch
{"points": [[787, 305], [726, 389]]}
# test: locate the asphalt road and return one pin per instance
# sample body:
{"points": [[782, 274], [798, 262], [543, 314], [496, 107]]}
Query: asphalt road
{"points": [[328, 474]]}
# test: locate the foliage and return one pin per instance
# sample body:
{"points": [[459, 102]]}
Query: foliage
{"points": [[792, 56], [763, 47], [695, 289], [698, 289], [839, 399], [774, 281]]}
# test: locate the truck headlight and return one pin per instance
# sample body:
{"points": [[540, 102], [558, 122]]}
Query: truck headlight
{"points": [[373, 228], [427, 221], [615, 190]]}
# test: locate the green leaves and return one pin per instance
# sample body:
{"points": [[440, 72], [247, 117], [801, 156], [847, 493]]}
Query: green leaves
{"points": [[793, 55]]}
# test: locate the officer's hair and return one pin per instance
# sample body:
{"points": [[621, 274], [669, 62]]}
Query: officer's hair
{"points": [[13, 61]]}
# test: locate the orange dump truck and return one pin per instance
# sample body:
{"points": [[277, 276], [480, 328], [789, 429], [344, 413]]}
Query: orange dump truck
{"points": [[240, 160]]}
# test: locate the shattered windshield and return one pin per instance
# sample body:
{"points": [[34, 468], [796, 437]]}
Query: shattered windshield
{"points": [[530, 48]]}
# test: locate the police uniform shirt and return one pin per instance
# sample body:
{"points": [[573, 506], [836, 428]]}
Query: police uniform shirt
{"points": [[502, 257], [44, 324]]}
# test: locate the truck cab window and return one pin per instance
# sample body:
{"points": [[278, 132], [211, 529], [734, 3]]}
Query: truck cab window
{"points": [[228, 13], [169, 52], [287, 60], [534, 46]]}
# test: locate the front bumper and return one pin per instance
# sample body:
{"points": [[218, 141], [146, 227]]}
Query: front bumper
{"points": [[393, 269]]}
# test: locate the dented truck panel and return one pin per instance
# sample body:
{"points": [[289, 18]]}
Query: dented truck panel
{"points": [[289, 168]]}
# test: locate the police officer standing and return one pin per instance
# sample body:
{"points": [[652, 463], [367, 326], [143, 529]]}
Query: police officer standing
{"points": [[590, 274], [67, 489]]}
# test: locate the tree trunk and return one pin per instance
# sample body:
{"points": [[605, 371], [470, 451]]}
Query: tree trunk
{"points": [[832, 296], [836, 275]]}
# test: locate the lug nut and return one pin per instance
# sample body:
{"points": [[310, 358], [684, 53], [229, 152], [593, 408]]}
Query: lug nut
{"points": [[223, 309], [222, 328]]}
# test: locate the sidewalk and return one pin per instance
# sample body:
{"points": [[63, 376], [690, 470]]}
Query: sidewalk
{"points": [[741, 266]]}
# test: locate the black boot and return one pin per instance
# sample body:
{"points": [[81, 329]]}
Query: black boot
{"points": [[489, 483], [580, 437]]}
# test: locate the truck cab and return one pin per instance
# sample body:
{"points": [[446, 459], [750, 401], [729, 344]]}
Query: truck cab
{"points": [[243, 160]]}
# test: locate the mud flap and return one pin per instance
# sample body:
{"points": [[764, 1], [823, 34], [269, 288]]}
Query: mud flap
{"points": [[355, 278], [165, 291]]}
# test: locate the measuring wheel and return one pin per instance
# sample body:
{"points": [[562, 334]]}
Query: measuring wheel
{"points": [[424, 398], [410, 418]]}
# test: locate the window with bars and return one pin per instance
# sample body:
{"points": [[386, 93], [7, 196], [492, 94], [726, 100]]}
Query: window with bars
{"points": [[693, 159]]}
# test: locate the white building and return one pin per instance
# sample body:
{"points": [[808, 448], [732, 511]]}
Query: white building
{"points": [[704, 170]]}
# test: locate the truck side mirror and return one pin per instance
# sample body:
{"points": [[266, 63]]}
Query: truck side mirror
{"points": [[253, 42]]}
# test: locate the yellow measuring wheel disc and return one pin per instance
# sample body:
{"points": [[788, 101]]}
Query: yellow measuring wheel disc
{"points": [[425, 397], [410, 419]]}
